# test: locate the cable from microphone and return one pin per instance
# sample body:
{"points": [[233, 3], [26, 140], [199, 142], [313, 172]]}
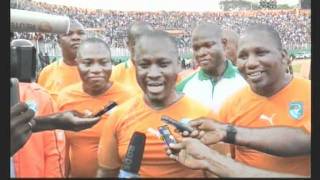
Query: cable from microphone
{"points": [[132, 161]]}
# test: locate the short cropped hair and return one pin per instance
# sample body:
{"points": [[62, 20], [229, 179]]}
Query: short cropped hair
{"points": [[267, 29], [93, 40], [159, 36]]}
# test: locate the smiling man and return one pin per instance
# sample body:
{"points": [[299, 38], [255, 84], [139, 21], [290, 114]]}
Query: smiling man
{"points": [[269, 122], [218, 78], [273, 98], [156, 63], [91, 95]]}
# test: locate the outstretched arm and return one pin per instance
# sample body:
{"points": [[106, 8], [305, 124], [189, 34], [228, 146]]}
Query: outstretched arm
{"points": [[195, 155], [68, 120], [294, 141]]}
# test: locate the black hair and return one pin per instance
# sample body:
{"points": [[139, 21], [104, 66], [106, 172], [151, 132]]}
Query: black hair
{"points": [[138, 28], [72, 23], [159, 36], [93, 40], [205, 27], [267, 29]]}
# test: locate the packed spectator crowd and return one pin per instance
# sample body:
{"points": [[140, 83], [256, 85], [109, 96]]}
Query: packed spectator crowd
{"points": [[116, 22], [238, 112]]}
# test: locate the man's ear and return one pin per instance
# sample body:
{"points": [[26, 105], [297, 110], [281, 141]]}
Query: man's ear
{"points": [[127, 42], [285, 58], [133, 62], [224, 42], [59, 39]]}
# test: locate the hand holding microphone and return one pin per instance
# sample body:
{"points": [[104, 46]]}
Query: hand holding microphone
{"points": [[179, 125], [208, 131]]}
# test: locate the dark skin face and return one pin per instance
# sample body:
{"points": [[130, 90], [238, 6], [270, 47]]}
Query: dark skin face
{"points": [[94, 66], [70, 42], [156, 71], [230, 41], [208, 51], [262, 63], [135, 32], [131, 43], [230, 50]]}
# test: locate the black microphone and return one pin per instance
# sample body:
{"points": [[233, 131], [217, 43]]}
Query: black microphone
{"points": [[133, 158], [106, 109]]}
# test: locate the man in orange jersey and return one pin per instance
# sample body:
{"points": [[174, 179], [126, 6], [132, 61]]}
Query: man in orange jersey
{"points": [[91, 94], [125, 73], [63, 72], [273, 98], [156, 59]]}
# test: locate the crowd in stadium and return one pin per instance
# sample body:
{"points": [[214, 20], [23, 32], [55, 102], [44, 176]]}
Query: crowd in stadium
{"points": [[115, 22], [238, 112]]}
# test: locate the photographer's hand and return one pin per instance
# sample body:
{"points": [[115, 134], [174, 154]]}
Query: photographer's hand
{"points": [[21, 124]]}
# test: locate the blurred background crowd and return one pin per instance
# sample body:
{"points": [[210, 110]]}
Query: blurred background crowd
{"points": [[112, 25]]}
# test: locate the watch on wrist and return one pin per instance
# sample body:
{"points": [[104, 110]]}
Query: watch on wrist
{"points": [[231, 134]]}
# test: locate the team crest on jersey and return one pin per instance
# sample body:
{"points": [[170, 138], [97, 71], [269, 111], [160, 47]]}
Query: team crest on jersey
{"points": [[296, 110]]}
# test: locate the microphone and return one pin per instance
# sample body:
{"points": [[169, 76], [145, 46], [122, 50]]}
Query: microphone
{"points": [[29, 21], [106, 109], [180, 125], [133, 158]]}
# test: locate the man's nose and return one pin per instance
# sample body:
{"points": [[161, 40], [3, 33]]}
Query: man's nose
{"points": [[154, 72], [252, 62], [75, 36], [96, 68]]}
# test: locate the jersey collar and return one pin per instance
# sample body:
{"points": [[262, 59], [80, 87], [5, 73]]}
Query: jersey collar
{"points": [[229, 72]]}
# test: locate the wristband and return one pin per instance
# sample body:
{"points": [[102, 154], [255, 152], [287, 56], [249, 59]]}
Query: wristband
{"points": [[231, 134]]}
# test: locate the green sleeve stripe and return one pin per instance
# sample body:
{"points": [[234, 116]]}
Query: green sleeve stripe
{"points": [[182, 84]]}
